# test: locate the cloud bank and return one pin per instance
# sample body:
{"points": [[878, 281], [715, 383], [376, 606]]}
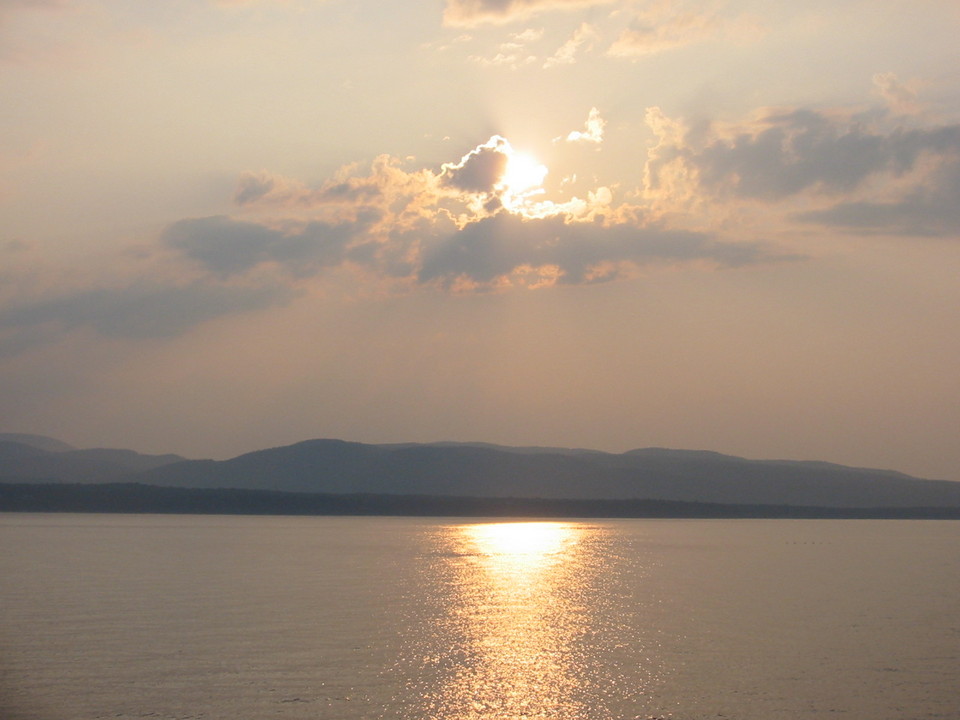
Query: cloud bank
{"points": [[901, 179], [463, 227], [472, 225]]}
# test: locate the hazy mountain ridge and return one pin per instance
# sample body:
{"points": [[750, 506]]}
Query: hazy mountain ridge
{"points": [[41, 442], [483, 470], [19, 459]]}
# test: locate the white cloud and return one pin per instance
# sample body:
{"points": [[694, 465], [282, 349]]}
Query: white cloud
{"points": [[592, 132]]}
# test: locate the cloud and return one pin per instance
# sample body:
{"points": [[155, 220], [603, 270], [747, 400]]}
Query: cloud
{"points": [[508, 249], [460, 226], [513, 53], [481, 169], [928, 210], [254, 186], [642, 39], [881, 177], [463, 226], [145, 309], [468, 13], [225, 247], [790, 152], [900, 97], [663, 26], [592, 132], [267, 188], [397, 194], [566, 54]]}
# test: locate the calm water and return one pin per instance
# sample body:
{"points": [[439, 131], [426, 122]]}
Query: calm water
{"points": [[248, 618]]}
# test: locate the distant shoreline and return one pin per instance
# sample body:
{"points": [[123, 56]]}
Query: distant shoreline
{"points": [[137, 498]]}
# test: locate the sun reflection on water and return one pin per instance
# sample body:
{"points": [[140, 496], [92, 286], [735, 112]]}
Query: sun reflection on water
{"points": [[519, 613], [521, 546]]}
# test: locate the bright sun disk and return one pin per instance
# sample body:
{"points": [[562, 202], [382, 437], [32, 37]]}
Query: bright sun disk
{"points": [[523, 174]]}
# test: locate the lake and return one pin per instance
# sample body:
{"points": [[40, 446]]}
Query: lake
{"points": [[175, 617]]}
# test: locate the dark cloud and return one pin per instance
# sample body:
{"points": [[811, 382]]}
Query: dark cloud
{"points": [[580, 252], [931, 210], [225, 246], [481, 169], [804, 150], [479, 253], [144, 310]]}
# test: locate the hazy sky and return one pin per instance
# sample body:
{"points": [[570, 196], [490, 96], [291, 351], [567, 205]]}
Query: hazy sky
{"points": [[710, 225]]}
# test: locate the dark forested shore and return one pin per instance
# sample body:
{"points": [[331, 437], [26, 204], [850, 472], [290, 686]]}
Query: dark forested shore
{"points": [[140, 498]]}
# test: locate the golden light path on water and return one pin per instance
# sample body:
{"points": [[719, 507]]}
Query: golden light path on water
{"points": [[518, 612]]}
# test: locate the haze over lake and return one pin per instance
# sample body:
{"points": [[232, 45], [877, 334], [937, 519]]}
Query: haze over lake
{"points": [[169, 617]]}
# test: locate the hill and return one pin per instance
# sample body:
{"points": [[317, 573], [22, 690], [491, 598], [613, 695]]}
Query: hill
{"points": [[471, 470], [42, 442], [28, 461], [478, 470]]}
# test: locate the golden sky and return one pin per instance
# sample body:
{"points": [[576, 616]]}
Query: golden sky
{"points": [[731, 226]]}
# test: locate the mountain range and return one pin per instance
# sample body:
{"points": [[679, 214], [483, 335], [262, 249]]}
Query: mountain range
{"points": [[477, 470]]}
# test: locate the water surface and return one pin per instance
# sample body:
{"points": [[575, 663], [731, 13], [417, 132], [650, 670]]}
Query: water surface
{"points": [[110, 616]]}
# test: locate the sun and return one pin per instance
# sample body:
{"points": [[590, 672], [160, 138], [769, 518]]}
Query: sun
{"points": [[522, 179], [494, 175], [523, 173]]}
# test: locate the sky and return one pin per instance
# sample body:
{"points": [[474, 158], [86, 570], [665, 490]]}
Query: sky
{"points": [[730, 226]]}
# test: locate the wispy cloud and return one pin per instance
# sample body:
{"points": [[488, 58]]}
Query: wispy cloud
{"points": [[566, 54], [468, 13], [662, 26], [145, 309], [900, 97], [226, 247], [514, 52]]}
